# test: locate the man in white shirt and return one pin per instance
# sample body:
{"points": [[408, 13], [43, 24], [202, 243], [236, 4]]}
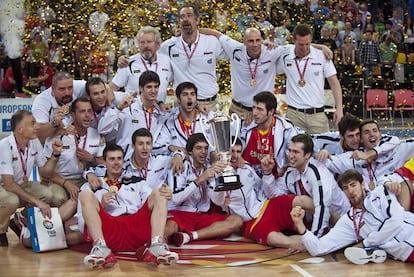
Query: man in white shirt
{"points": [[51, 107], [20, 151], [148, 58], [189, 217], [306, 176], [80, 150], [306, 69], [375, 221], [193, 57], [135, 112]]}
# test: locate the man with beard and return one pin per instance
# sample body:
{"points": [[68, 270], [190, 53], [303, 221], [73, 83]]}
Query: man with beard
{"points": [[51, 107], [375, 221], [127, 77], [82, 149]]}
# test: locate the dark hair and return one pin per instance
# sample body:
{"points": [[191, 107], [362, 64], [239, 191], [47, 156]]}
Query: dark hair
{"points": [[76, 101], [365, 122], [190, 5], [193, 139], [302, 30], [267, 98], [183, 86], [306, 140], [238, 141], [148, 77], [111, 148], [348, 122], [349, 175], [141, 132], [92, 82], [17, 117]]}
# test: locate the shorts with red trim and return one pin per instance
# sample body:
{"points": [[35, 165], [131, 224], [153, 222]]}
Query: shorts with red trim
{"points": [[189, 221], [125, 232], [275, 218]]}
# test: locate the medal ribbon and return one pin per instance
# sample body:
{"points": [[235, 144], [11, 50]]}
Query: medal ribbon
{"points": [[371, 171], [143, 171], [301, 74], [146, 67], [202, 185], [189, 56], [77, 140], [148, 120], [357, 228], [113, 182], [185, 127], [23, 163], [253, 73]]}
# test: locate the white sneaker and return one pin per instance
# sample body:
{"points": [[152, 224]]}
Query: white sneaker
{"points": [[160, 254], [99, 257], [357, 255]]}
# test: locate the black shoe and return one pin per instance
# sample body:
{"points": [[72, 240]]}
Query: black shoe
{"points": [[3, 240], [15, 227]]}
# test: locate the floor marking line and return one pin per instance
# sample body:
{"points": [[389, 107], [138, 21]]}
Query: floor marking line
{"points": [[301, 270]]}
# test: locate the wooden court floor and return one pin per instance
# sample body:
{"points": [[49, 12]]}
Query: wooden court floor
{"points": [[20, 262]]}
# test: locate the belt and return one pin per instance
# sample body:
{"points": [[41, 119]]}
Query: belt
{"points": [[240, 105], [208, 99], [308, 111]]}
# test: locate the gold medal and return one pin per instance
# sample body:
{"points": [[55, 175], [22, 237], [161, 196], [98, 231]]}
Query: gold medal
{"points": [[301, 82], [25, 179], [65, 109], [80, 165], [227, 201], [253, 82], [371, 185], [113, 189]]}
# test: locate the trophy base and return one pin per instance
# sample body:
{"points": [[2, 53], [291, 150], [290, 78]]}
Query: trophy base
{"points": [[228, 183]]}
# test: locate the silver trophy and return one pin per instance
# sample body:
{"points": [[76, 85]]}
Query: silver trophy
{"points": [[221, 132]]}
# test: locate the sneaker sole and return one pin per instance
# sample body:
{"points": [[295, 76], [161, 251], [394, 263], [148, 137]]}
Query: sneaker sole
{"points": [[359, 256], [169, 259], [95, 262]]}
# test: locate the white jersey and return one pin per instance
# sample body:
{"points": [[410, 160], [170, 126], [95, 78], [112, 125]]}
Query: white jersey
{"points": [[128, 120], [200, 69], [128, 77], [155, 172], [68, 165], [173, 134], [44, 105], [317, 69], [386, 163], [12, 164], [331, 141], [244, 70], [385, 225], [130, 197], [318, 183], [187, 196], [245, 202]]}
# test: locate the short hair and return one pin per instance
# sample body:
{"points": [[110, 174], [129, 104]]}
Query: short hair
{"points": [[238, 141], [141, 132], [112, 147], [348, 122], [306, 140], [193, 139], [93, 82], [59, 76], [183, 86], [148, 77], [76, 101], [365, 122], [349, 175], [17, 117], [190, 5], [302, 30], [267, 98], [152, 30]]}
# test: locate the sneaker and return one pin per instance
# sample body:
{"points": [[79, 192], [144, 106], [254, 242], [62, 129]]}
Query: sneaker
{"points": [[3, 240], [100, 257], [179, 239], [159, 254], [358, 255], [16, 224]]}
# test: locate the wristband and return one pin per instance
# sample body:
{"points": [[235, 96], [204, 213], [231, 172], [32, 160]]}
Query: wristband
{"points": [[63, 185], [303, 232], [179, 152], [56, 155]]}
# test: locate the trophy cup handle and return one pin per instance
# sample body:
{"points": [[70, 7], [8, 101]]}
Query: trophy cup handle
{"points": [[202, 123], [235, 119]]}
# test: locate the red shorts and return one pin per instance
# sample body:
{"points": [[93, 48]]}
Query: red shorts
{"points": [[125, 232], [275, 218], [189, 221]]}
